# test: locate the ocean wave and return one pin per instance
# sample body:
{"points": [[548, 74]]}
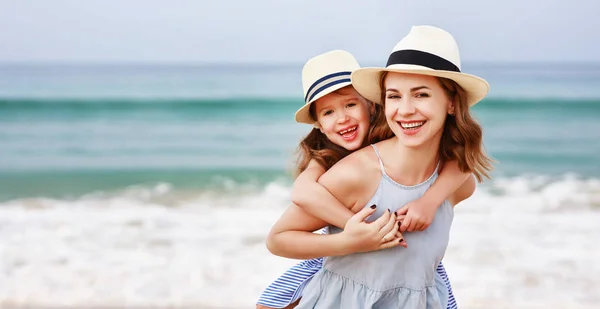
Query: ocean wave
{"points": [[159, 245], [127, 104], [539, 192]]}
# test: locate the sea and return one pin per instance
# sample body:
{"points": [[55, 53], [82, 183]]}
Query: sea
{"points": [[155, 185]]}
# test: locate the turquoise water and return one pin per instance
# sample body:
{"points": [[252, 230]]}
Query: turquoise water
{"points": [[156, 185], [69, 130]]}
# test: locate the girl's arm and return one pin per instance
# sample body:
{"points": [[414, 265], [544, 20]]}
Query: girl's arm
{"points": [[464, 192], [313, 198], [451, 178], [420, 212]]}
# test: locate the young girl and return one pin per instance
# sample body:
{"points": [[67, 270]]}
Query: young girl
{"points": [[343, 124]]}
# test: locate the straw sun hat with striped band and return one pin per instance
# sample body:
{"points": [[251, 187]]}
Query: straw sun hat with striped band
{"points": [[324, 74], [425, 50]]}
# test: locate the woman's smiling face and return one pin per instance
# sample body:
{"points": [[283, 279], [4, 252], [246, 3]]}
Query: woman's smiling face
{"points": [[416, 107]]}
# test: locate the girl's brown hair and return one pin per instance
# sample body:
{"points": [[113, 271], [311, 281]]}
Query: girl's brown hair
{"points": [[462, 138], [315, 145]]}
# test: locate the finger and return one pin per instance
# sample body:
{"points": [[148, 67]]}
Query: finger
{"points": [[382, 221], [401, 240], [394, 229], [405, 224], [421, 226], [413, 223], [387, 231], [392, 243], [363, 214], [411, 226], [403, 243], [398, 233], [402, 211], [400, 218]]}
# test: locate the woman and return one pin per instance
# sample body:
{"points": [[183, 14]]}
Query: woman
{"points": [[341, 118], [426, 100]]}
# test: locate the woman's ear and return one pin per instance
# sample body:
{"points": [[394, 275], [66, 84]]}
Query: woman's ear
{"points": [[451, 108]]}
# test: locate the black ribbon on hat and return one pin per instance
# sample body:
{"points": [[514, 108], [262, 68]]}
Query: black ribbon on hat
{"points": [[417, 57], [325, 82]]}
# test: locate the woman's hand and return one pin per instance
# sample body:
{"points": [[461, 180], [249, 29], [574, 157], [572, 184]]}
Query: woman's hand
{"points": [[383, 233]]}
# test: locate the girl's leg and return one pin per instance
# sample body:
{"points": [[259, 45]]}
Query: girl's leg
{"points": [[288, 287], [451, 300]]}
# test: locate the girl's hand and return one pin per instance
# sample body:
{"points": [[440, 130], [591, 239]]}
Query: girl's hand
{"points": [[416, 215]]}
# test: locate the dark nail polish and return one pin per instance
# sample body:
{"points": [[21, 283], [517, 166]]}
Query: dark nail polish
{"points": [[373, 206], [399, 223], [401, 240], [389, 211]]}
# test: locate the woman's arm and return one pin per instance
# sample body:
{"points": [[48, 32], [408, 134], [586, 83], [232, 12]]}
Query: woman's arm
{"points": [[313, 198], [290, 237]]}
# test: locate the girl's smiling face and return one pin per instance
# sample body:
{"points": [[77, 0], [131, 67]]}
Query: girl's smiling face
{"points": [[344, 117]]}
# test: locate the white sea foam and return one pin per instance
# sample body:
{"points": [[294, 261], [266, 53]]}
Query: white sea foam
{"points": [[518, 242]]}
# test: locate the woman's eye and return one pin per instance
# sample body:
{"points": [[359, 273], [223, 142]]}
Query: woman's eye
{"points": [[422, 95], [393, 96]]}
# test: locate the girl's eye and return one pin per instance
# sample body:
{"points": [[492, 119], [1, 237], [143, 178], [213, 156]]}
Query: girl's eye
{"points": [[327, 113], [351, 104]]}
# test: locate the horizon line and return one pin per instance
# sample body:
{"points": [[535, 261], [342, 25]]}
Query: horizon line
{"points": [[264, 63]]}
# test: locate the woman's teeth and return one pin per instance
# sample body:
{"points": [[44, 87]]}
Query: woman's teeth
{"points": [[411, 125]]}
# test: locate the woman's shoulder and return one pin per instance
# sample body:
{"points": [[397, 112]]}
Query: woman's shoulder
{"points": [[353, 177], [314, 164], [360, 161], [368, 154]]}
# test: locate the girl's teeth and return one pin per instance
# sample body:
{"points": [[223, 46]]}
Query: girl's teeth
{"points": [[349, 130]]}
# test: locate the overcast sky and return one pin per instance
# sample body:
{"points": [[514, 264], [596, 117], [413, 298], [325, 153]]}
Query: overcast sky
{"points": [[203, 31]]}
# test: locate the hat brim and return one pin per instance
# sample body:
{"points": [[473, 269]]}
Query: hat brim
{"points": [[366, 81], [303, 113]]}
